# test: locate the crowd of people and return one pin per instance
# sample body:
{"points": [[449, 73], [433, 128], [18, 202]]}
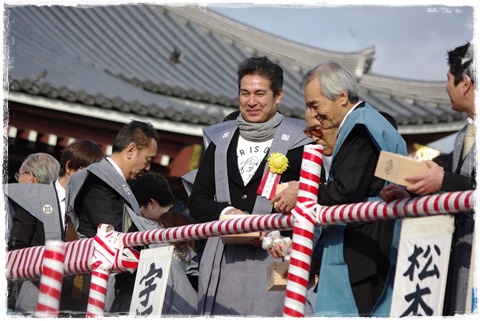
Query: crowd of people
{"points": [[355, 262]]}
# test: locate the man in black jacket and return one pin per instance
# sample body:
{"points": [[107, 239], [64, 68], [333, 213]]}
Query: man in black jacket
{"points": [[98, 195]]}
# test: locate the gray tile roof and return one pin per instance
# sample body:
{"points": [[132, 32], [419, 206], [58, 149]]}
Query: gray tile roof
{"points": [[179, 64]]}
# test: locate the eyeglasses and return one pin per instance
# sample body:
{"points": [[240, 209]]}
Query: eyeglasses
{"points": [[17, 175], [314, 131]]}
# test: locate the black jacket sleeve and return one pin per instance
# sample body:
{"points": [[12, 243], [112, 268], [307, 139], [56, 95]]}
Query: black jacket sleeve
{"points": [[26, 231], [201, 203], [456, 182], [452, 180], [353, 169], [98, 203]]}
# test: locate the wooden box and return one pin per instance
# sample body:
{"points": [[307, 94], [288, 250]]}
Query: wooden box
{"points": [[394, 168], [238, 238], [275, 280]]}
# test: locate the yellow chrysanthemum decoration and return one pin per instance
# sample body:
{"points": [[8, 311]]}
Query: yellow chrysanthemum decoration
{"points": [[277, 162]]}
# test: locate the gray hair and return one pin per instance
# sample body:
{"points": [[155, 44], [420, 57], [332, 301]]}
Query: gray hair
{"points": [[43, 166], [334, 79]]}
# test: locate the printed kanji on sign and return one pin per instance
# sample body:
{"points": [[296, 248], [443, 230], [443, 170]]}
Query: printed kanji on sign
{"points": [[151, 282], [422, 264]]}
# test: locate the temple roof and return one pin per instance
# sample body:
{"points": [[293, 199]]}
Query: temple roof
{"points": [[178, 65]]}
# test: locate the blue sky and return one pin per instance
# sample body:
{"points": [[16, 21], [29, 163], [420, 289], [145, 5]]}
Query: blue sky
{"points": [[410, 41]]}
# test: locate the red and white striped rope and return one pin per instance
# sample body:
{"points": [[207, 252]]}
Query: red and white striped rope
{"points": [[25, 264], [302, 239], [437, 204], [265, 222], [51, 281]]}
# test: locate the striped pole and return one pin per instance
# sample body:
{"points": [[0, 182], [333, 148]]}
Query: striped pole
{"points": [[102, 263], [51, 280], [303, 231]]}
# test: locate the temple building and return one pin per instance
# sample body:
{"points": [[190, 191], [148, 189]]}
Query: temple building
{"points": [[84, 72]]}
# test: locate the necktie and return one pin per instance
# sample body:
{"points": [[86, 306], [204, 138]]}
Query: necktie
{"points": [[71, 234], [469, 139]]}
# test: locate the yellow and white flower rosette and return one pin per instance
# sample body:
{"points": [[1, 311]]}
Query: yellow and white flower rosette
{"points": [[277, 164]]}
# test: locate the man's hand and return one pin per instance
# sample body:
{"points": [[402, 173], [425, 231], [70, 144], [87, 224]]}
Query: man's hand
{"points": [[259, 240], [276, 251], [234, 211], [427, 183], [286, 200], [393, 192]]}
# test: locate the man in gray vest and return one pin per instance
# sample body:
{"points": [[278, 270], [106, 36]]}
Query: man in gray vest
{"points": [[99, 194], [39, 215], [457, 174], [229, 180]]}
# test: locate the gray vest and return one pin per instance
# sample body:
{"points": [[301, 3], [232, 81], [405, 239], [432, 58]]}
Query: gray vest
{"points": [[288, 135], [40, 200], [107, 173], [469, 162]]}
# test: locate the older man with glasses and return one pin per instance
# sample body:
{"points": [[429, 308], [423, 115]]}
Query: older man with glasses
{"points": [[37, 212], [38, 168], [356, 264]]}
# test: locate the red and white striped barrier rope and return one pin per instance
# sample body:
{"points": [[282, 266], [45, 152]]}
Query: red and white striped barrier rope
{"points": [[302, 239], [51, 280], [264, 222], [25, 264], [436, 204], [108, 253]]}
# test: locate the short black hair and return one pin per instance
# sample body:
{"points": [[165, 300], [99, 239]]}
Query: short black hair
{"points": [[137, 132], [262, 66], [152, 185], [460, 61]]}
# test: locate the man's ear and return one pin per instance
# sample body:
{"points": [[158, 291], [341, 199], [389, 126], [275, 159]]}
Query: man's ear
{"points": [[68, 170], [343, 98], [151, 202], [279, 96], [131, 150], [467, 84], [33, 179]]}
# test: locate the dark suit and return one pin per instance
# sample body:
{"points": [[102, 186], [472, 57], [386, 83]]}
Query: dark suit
{"points": [[98, 195], [98, 203], [453, 180]]}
